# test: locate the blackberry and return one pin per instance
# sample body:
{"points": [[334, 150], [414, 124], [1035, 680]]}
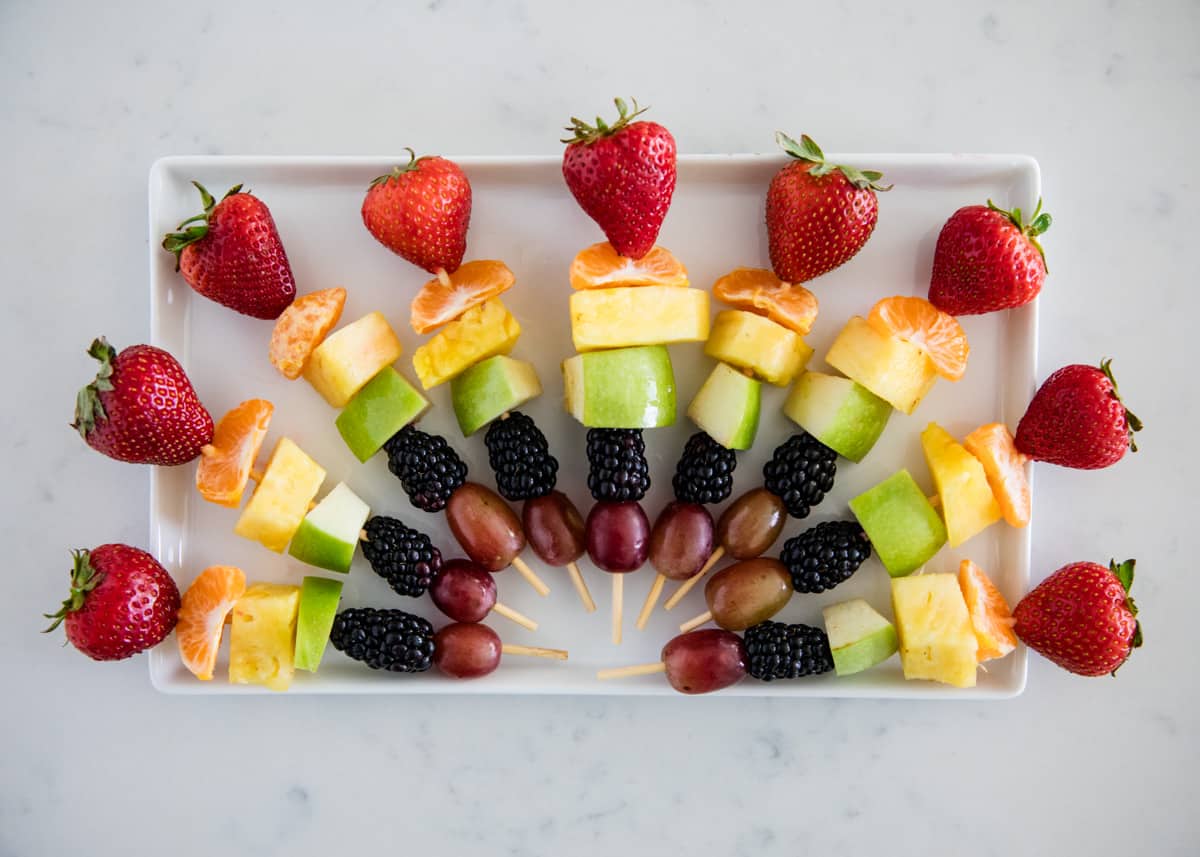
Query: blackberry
{"points": [[823, 556], [389, 640], [704, 473], [402, 556], [520, 457], [428, 469], [777, 650], [617, 464], [799, 473]]}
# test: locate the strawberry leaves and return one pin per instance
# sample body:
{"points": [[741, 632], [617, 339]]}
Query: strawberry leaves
{"points": [[84, 578], [197, 225], [808, 150], [1132, 422], [88, 407], [585, 133]]}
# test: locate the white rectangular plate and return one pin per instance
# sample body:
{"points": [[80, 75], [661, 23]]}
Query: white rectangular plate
{"points": [[524, 215]]}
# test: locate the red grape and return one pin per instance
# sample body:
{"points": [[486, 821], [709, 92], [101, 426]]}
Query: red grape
{"points": [[681, 540], [485, 526], [466, 650], [463, 590], [751, 524], [618, 536], [704, 661], [748, 592], [554, 528]]}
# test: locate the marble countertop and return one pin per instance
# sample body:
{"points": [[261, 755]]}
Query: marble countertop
{"points": [[1104, 95]]}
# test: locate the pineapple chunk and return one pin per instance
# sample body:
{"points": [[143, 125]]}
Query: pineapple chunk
{"points": [[343, 364], [483, 331], [262, 636], [755, 343], [280, 502], [896, 371], [968, 504], [936, 638], [638, 315]]}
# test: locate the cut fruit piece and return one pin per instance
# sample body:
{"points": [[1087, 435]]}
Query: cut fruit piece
{"points": [[202, 613], [448, 296], [936, 333], [967, 502], [491, 389], [302, 327], [262, 638], [483, 331], [859, 637], [328, 535], [1004, 466], [600, 267], [991, 618], [279, 503], [727, 407], [319, 598], [840, 413], [225, 464], [621, 388], [638, 315], [936, 638], [894, 370], [903, 527], [759, 291], [380, 409], [347, 360], [755, 343]]}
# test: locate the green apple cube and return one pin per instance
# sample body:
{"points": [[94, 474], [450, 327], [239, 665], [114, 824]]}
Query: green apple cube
{"points": [[842, 414], [904, 528], [621, 387], [319, 598], [380, 409], [328, 535], [490, 389], [727, 407], [859, 637]]}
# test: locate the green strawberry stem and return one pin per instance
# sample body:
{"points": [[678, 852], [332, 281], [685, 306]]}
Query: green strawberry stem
{"points": [[84, 578], [174, 242], [808, 150], [397, 171], [88, 407], [1124, 573], [585, 133], [1039, 222], [1131, 421]]}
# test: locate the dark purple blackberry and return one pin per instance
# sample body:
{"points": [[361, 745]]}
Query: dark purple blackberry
{"points": [[704, 473], [823, 556], [402, 556], [428, 469], [389, 640], [618, 470], [799, 473], [520, 457], [776, 650]]}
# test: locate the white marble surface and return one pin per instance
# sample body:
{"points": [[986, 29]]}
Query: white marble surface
{"points": [[92, 93]]}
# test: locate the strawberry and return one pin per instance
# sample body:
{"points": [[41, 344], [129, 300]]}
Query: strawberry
{"points": [[122, 602], [141, 407], [1082, 618], [818, 214], [421, 211], [623, 176], [1076, 419], [231, 253], [988, 259]]}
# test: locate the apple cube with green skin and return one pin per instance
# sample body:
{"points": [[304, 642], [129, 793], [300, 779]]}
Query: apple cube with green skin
{"points": [[328, 535], [491, 389], [727, 407], [342, 365], [896, 371], [936, 638], [621, 387], [319, 598], [966, 497], [840, 413], [638, 315], [380, 409], [859, 637], [903, 526], [279, 503]]}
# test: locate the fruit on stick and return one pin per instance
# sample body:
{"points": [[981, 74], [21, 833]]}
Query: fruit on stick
{"points": [[842, 414], [638, 315], [384, 405], [279, 503], [618, 541], [826, 555], [472, 650], [329, 533], [483, 331], [343, 364], [968, 505], [404, 557], [556, 532], [991, 618], [617, 466], [778, 651], [758, 345], [704, 472], [302, 327], [800, 472], [859, 637], [489, 531], [490, 389], [726, 407], [896, 371], [758, 290], [319, 597], [621, 387], [203, 610], [519, 455], [262, 637], [447, 296], [601, 267], [744, 594], [919, 322], [227, 462], [681, 541], [697, 662], [904, 528], [466, 592], [390, 640], [1004, 467], [937, 641], [428, 468]]}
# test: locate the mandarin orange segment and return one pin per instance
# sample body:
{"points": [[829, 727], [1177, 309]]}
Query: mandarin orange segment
{"points": [[759, 291], [225, 464], [936, 333], [302, 327], [991, 619], [1004, 466], [448, 296], [203, 611], [601, 267]]}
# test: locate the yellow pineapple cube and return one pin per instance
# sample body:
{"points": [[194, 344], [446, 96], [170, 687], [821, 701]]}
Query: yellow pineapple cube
{"points": [[483, 331], [755, 343], [280, 502], [638, 315], [343, 364], [936, 638], [968, 504], [896, 371], [262, 636]]}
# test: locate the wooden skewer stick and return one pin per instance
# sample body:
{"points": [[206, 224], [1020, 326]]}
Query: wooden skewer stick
{"points": [[618, 606], [706, 616], [534, 651], [509, 613], [651, 600], [581, 587], [626, 672], [687, 585], [530, 576]]}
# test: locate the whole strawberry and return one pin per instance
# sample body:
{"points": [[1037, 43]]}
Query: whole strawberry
{"points": [[1082, 617], [231, 253], [1076, 419], [988, 259], [141, 407], [421, 211], [818, 214], [623, 176], [122, 602]]}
